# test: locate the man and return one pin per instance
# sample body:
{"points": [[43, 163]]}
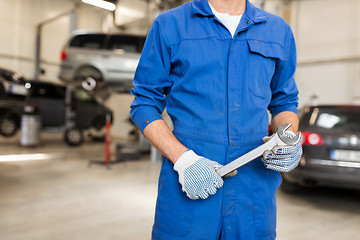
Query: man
{"points": [[217, 82]]}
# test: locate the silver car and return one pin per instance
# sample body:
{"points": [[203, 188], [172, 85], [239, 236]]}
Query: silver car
{"points": [[99, 58]]}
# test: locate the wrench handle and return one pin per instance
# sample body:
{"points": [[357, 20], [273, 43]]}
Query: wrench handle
{"points": [[248, 157], [278, 139]]}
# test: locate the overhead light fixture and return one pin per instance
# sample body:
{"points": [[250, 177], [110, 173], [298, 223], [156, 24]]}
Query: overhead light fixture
{"points": [[130, 12], [101, 4]]}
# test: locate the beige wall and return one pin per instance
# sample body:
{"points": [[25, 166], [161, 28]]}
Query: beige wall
{"points": [[327, 34], [120, 104]]}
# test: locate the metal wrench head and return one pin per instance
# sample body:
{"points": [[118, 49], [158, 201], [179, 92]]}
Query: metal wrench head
{"points": [[289, 141]]}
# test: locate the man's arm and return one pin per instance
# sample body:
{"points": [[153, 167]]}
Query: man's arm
{"points": [[283, 118], [161, 137], [283, 107]]}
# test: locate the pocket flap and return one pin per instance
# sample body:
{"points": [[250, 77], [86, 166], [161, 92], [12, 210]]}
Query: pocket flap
{"points": [[266, 49]]}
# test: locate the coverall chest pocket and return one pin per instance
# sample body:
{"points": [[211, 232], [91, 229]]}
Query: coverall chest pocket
{"points": [[261, 66]]}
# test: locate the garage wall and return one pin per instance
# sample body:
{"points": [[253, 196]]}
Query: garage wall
{"points": [[328, 43], [327, 34], [18, 21]]}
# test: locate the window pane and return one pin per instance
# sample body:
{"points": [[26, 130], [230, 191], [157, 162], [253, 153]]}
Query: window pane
{"points": [[94, 41], [339, 118], [126, 43]]}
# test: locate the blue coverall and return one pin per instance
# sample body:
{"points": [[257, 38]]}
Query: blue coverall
{"points": [[217, 90]]}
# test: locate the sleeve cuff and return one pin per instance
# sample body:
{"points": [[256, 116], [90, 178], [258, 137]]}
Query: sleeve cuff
{"points": [[144, 115], [276, 110], [186, 160]]}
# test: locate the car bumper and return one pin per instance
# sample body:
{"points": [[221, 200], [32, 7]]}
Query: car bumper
{"points": [[326, 173]]}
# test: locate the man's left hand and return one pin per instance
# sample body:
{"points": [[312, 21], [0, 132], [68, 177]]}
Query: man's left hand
{"points": [[283, 158]]}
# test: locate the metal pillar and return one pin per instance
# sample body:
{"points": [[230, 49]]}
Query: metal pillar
{"points": [[38, 36]]}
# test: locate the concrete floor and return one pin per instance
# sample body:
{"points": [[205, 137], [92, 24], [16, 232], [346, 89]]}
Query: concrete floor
{"points": [[62, 198]]}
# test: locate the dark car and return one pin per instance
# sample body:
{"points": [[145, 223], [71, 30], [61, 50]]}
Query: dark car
{"points": [[11, 91], [49, 100], [331, 144]]}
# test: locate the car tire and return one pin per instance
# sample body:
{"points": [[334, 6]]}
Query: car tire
{"points": [[8, 126], [73, 136], [89, 77]]}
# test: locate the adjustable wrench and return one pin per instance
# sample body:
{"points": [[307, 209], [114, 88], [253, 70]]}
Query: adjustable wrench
{"points": [[279, 138]]}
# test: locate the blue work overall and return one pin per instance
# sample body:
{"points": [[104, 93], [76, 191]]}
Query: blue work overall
{"points": [[217, 90]]}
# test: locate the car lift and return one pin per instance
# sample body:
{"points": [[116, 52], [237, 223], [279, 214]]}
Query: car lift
{"points": [[123, 151]]}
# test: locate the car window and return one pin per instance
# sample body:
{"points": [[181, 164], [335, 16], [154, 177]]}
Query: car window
{"points": [[94, 41], [339, 118], [126, 43]]}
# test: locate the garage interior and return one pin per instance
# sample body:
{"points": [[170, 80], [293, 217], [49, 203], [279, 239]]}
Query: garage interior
{"points": [[50, 190]]}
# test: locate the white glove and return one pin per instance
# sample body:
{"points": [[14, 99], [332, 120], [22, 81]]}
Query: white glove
{"points": [[197, 175], [283, 158]]}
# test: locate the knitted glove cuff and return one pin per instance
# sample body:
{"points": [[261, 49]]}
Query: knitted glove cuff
{"points": [[187, 159]]}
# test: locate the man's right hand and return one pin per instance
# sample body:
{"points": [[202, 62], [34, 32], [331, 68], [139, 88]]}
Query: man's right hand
{"points": [[197, 175]]}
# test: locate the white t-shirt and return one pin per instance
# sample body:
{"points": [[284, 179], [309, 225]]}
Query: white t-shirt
{"points": [[231, 22]]}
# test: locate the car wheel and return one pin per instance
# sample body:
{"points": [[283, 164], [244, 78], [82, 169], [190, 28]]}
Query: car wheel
{"points": [[73, 136], [89, 83], [8, 126], [89, 77]]}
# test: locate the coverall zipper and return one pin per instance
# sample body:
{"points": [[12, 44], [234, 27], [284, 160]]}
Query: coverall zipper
{"points": [[227, 90], [227, 78]]}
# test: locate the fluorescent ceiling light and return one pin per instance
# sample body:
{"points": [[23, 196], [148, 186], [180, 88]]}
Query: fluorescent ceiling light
{"points": [[128, 12], [101, 4], [23, 157]]}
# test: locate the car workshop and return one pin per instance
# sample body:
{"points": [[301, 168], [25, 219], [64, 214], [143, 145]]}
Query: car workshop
{"points": [[180, 119]]}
